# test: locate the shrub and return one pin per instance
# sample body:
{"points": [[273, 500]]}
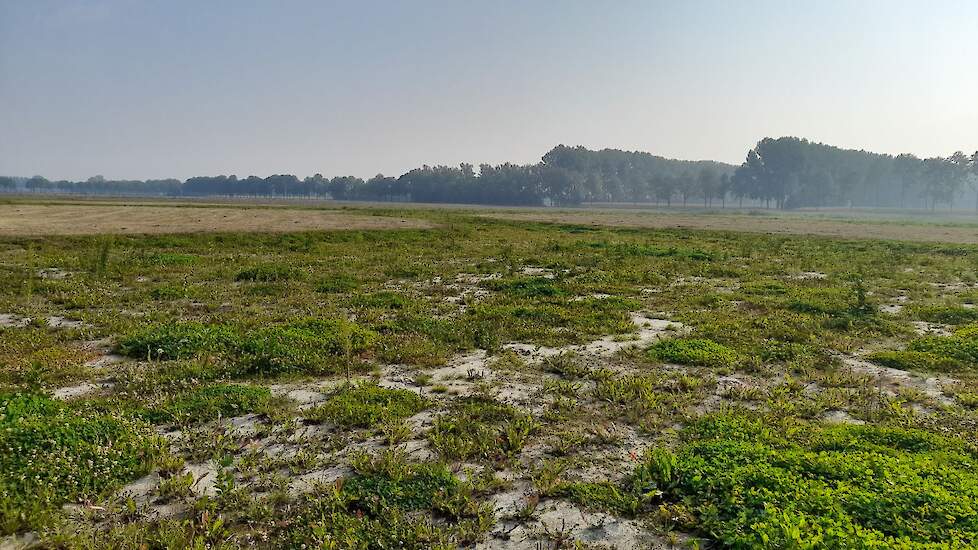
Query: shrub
{"points": [[693, 351], [51, 453], [366, 405]]}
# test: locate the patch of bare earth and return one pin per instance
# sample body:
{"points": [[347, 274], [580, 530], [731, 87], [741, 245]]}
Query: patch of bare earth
{"points": [[82, 219]]}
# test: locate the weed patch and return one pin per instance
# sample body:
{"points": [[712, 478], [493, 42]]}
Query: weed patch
{"points": [[51, 454], [694, 351], [269, 273], [367, 405], [310, 346], [482, 428], [209, 402], [807, 486]]}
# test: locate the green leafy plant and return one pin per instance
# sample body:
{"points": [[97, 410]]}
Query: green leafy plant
{"points": [[51, 453]]}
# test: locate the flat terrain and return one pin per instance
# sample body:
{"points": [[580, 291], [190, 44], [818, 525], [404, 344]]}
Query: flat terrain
{"points": [[930, 230], [94, 219], [468, 381]]}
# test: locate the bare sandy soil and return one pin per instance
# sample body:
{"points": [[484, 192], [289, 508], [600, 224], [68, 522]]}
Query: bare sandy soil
{"points": [[86, 219], [791, 225]]}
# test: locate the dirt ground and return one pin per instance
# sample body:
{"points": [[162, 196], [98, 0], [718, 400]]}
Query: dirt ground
{"points": [[785, 224], [85, 219]]}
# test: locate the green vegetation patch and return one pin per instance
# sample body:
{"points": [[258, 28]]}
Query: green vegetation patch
{"points": [[382, 300], [552, 321], [269, 273], [213, 401], [337, 284], [168, 259], [916, 361], [314, 346], [52, 453], [527, 287], [390, 503], [694, 351], [654, 251], [602, 496], [807, 486], [176, 340], [367, 404], [482, 428], [935, 353], [946, 314]]}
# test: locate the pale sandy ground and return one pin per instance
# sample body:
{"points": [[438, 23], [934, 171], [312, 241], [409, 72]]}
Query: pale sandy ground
{"points": [[784, 224], [79, 219]]}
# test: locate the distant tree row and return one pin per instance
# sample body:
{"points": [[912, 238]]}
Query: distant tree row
{"points": [[95, 185], [566, 176], [792, 173], [784, 173]]}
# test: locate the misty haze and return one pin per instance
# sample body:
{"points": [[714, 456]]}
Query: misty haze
{"points": [[530, 275]]}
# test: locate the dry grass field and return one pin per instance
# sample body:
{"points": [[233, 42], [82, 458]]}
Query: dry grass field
{"points": [[107, 218], [931, 229]]}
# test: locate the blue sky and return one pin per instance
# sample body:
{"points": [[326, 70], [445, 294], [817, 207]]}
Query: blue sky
{"points": [[133, 89]]}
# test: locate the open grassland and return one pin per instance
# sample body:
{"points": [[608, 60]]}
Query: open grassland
{"points": [[23, 219], [877, 225], [478, 382]]}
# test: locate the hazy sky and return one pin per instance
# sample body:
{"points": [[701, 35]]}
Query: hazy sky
{"points": [[133, 89]]}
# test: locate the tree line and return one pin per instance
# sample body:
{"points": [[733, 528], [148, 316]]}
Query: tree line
{"points": [[792, 173], [783, 173]]}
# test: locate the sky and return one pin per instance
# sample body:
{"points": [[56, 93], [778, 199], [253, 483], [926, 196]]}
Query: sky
{"points": [[139, 89]]}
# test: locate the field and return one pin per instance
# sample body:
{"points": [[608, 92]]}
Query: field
{"points": [[25, 219], [213, 376], [870, 224]]}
